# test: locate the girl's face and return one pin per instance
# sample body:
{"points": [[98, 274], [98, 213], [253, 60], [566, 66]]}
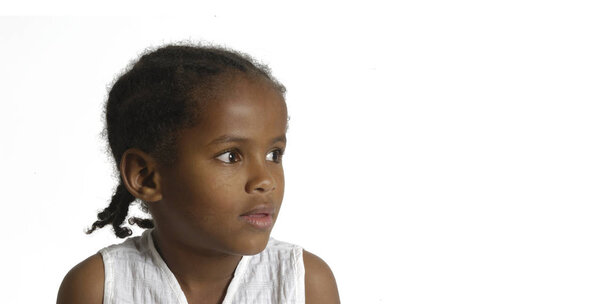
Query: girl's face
{"points": [[224, 192]]}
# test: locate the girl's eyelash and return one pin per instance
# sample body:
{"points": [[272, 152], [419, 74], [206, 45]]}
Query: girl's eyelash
{"points": [[280, 151], [228, 160], [237, 154]]}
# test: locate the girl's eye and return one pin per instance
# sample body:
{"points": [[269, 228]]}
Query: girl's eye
{"points": [[228, 157], [275, 156]]}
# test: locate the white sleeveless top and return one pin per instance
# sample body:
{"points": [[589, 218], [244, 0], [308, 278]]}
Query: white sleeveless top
{"points": [[135, 273]]}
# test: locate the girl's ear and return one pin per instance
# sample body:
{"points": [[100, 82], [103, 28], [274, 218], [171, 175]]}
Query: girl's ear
{"points": [[140, 175]]}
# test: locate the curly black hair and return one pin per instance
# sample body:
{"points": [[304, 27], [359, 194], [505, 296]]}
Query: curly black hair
{"points": [[158, 95]]}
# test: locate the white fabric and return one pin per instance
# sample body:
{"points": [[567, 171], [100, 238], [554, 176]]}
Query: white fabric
{"points": [[135, 273]]}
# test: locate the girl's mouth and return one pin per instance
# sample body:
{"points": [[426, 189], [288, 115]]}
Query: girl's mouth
{"points": [[262, 221], [260, 218]]}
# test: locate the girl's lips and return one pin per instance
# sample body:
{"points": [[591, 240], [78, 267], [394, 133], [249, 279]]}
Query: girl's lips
{"points": [[260, 217], [262, 221]]}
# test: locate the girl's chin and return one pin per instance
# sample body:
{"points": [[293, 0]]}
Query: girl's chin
{"points": [[252, 246]]}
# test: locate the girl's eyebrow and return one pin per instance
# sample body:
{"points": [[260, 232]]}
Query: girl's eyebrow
{"points": [[228, 138]]}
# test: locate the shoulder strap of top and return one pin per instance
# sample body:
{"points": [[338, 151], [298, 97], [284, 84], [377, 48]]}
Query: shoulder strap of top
{"points": [[135, 273], [276, 275]]}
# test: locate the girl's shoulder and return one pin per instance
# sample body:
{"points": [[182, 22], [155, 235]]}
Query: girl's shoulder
{"points": [[320, 285], [315, 278], [84, 283]]}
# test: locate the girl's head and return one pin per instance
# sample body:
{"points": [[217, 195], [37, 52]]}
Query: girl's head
{"points": [[197, 134]]}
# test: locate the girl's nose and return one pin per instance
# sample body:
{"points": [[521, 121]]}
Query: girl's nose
{"points": [[260, 179]]}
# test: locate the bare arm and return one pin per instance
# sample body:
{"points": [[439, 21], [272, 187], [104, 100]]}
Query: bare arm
{"points": [[320, 286], [84, 283]]}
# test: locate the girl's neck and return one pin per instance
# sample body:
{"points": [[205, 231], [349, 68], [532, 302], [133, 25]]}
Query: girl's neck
{"points": [[198, 273]]}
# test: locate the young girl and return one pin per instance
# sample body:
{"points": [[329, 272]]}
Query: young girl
{"points": [[197, 134]]}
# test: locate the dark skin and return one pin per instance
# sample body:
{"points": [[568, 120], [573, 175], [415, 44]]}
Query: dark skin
{"points": [[197, 202]]}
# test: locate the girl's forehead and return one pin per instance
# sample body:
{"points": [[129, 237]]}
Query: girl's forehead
{"points": [[248, 110]]}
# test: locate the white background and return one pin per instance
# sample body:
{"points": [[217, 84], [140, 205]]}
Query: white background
{"points": [[438, 151]]}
